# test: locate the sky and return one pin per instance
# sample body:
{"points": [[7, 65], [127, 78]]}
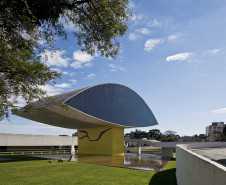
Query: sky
{"points": [[173, 55]]}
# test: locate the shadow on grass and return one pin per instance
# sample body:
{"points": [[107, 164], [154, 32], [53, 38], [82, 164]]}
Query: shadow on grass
{"points": [[17, 158], [166, 177]]}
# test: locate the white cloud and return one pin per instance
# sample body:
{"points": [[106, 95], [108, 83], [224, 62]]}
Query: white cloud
{"points": [[132, 36], [27, 126], [68, 73], [136, 17], [91, 76], [131, 5], [213, 51], [138, 32], [151, 43], [82, 56], [20, 101], [56, 69], [63, 85], [65, 72], [174, 37], [41, 42], [145, 31], [35, 128], [55, 58], [50, 90], [89, 64], [67, 24], [70, 26], [73, 81], [115, 68], [178, 57], [76, 65], [219, 111], [71, 74], [81, 59], [154, 23], [133, 18]]}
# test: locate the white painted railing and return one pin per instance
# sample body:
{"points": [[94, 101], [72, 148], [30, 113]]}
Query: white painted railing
{"points": [[35, 152]]}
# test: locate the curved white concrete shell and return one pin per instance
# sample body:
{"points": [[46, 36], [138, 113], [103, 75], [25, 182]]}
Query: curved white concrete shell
{"points": [[100, 105]]}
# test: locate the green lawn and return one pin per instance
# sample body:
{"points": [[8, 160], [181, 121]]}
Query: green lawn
{"points": [[28, 170]]}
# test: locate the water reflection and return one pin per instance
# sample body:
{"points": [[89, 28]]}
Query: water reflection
{"points": [[128, 160], [144, 162]]}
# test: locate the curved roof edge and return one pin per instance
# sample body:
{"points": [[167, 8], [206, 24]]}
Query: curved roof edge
{"points": [[64, 97]]}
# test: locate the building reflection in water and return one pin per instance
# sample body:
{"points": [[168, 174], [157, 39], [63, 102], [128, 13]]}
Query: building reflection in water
{"points": [[128, 160]]}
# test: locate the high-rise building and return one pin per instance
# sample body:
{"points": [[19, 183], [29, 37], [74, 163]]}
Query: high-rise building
{"points": [[214, 130]]}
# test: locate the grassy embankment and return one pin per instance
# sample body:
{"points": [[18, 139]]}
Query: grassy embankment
{"points": [[30, 170]]}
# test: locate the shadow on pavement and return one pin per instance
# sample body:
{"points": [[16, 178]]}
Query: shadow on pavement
{"points": [[221, 161]]}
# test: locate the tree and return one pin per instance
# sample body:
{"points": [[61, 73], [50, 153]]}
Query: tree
{"points": [[155, 133], [202, 136], [195, 137], [170, 133], [138, 134], [127, 136], [27, 28], [170, 136]]}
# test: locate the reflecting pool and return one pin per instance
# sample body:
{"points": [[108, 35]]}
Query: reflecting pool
{"points": [[128, 160]]}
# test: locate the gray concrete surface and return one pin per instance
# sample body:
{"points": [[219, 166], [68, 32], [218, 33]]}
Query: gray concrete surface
{"points": [[215, 154]]}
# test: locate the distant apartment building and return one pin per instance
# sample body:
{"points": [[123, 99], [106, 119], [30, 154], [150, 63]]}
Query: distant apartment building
{"points": [[214, 131]]}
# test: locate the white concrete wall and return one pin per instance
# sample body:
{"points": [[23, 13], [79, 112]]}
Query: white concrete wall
{"points": [[194, 169], [36, 140]]}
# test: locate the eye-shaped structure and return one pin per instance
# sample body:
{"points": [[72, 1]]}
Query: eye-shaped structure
{"points": [[100, 105]]}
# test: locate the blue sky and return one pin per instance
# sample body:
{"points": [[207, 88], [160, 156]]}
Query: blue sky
{"points": [[173, 55]]}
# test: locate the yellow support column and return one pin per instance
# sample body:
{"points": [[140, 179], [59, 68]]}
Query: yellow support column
{"points": [[101, 140]]}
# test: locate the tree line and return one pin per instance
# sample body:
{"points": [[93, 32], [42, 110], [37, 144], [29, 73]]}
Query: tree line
{"points": [[167, 136]]}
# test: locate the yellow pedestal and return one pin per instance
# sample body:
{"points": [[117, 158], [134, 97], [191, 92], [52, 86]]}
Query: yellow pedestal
{"points": [[101, 140]]}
